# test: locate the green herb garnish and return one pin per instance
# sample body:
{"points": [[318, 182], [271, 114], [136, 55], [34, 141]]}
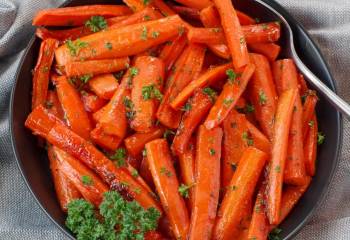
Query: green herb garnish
{"points": [[96, 23], [86, 180], [119, 157]]}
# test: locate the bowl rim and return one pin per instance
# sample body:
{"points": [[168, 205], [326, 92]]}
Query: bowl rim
{"points": [[289, 18]]}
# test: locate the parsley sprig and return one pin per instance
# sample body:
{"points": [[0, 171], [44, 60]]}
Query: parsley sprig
{"points": [[96, 23]]}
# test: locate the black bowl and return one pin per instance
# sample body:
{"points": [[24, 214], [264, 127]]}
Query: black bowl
{"points": [[33, 164]]}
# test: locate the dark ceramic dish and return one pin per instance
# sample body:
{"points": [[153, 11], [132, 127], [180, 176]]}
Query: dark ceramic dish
{"points": [[33, 164]]}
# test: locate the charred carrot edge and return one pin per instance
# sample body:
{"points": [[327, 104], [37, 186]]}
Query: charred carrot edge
{"points": [[188, 12], [308, 111], [259, 139], [136, 142], [92, 103], [198, 107], [42, 71], [77, 16], [228, 97], [164, 177], [53, 105], [234, 34], [263, 94], [210, 36], [198, 4], [75, 114], [269, 50], [104, 140], [65, 190], [150, 76], [279, 153], [104, 86], [123, 40], [87, 182], [206, 188], [310, 148], [209, 77]]}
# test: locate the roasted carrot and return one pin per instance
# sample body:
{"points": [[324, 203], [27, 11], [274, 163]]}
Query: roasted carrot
{"points": [[285, 75], [77, 16], [125, 41], [206, 188], [146, 92], [103, 85], [229, 96], [104, 140], [260, 141], [135, 5], [210, 36], [65, 190], [269, 50], [92, 103], [164, 177], [308, 111], [42, 71], [196, 108], [262, 32], [276, 167], [186, 12], [233, 31], [75, 114], [162, 7], [244, 19], [145, 172], [53, 104], [209, 77], [262, 94], [310, 148], [243, 225], [85, 180], [302, 84], [239, 192], [136, 142], [198, 4], [95, 67]]}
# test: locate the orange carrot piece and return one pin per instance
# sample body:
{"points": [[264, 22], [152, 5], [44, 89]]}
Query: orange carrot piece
{"points": [[85, 180], [104, 140], [310, 148], [198, 4], [145, 172], [147, 82], [135, 5], [92, 103], [42, 71], [285, 75], [233, 32], [198, 107], [228, 97], [188, 12], [262, 32], [259, 139], [95, 67], [276, 167], [206, 189], [126, 41], [263, 94], [244, 19], [239, 192], [53, 105], [162, 7], [65, 190], [302, 84], [211, 76], [75, 114], [77, 16], [136, 142], [104, 86], [164, 177], [269, 50], [210, 36], [308, 111]]}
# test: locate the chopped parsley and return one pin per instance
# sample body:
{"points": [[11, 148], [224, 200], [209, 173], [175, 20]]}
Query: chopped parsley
{"points": [[187, 107], [181, 30], [231, 75], [311, 123], [166, 172], [134, 173], [275, 234], [96, 23], [264, 26], [242, 40], [155, 34], [167, 133], [249, 108], [210, 92], [108, 45], [145, 2], [278, 169], [262, 97], [151, 92], [147, 18], [248, 138], [212, 152], [74, 47], [144, 153], [133, 71], [85, 78], [320, 138], [184, 190], [119, 156], [228, 102], [86, 180], [144, 33]]}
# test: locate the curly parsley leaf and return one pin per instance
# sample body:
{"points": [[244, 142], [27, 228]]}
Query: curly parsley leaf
{"points": [[96, 23]]}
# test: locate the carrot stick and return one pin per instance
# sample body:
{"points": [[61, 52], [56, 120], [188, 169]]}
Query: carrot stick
{"points": [[136, 142], [95, 67], [92, 103], [310, 148], [135, 5], [240, 191], [244, 19], [42, 71], [65, 190], [188, 12], [263, 94], [77, 16], [228, 97], [243, 225], [285, 75], [162, 7], [276, 167], [198, 4], [308, 111], [233, 32], [262, 32], [269, 50], [164, 177], [197, 108], [259, 139], [146, 92], [87, 182], [104, 140], [125, 41], [53, 105], [302, 84], [75, 114], [145, 172], [206, 189], [103, 85], [211, 76], [210, 36]]}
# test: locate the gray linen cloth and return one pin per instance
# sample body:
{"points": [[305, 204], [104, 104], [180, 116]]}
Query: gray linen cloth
{"points": [[328, 22]]}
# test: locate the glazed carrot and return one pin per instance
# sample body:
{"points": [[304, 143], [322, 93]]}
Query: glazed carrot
{"points": [[188, 12], [197, 109], [228, 97], [104, 140], [262, 94], [42, 71], [135, 5], [209, 77], [77, 16], [136, 142], [210, 36], [151, 235], [138, 5], [240, 191], [236, 140], [262, 32], [53, 104], [198, 4], [276, 167], [308, 111], [162, 7], [302, 84], [310, 148], [285, 75], [243, 225], [145, 172], [233, 32], [103, 85], [125, 41], [259, 139], [146, 92], [75, 114], [269, 50], [206, 189], [164, 177], [92, 103], [244, 19], [95, 67], [85, 180], [65, 190]]}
